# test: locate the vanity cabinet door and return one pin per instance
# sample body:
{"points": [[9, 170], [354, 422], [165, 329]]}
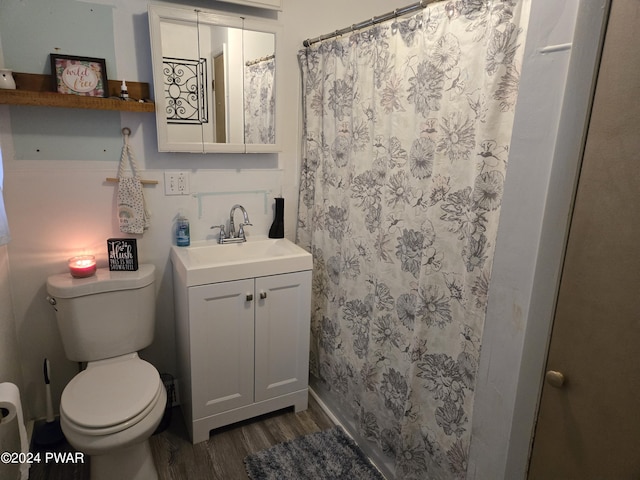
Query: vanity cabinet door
{"points": [[283, 311], [222, 346]]}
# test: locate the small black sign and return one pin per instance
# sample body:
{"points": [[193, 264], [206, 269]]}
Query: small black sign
{"points": [[123, 254]]}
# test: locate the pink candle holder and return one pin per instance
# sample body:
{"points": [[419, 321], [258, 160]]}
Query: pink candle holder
{"points": [[82, 266]]}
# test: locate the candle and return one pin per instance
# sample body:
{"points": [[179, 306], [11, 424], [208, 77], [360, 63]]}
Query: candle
{"points": [[82, 266]]}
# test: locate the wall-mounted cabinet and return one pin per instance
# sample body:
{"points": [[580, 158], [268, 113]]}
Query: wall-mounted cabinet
{"points": [[35, 90], [270, 4], [216, 81]]}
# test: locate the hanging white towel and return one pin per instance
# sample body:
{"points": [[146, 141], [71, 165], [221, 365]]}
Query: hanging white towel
{"points": [[133, 215]]}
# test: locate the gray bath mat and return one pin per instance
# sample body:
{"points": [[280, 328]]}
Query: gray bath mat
{"points": [[327, 455]]}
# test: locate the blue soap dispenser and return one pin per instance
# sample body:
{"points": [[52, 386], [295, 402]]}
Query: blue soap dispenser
{"points": [[183, 238]]}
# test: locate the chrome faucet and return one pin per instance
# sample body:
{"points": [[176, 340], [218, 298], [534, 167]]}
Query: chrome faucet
{"points": [[232, 227], [231, 236]]}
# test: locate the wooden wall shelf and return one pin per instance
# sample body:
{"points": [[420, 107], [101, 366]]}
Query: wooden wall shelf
{"points": [[36, 90]]}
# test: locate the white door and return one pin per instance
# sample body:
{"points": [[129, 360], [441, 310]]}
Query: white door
{"points": [[283, 312]]}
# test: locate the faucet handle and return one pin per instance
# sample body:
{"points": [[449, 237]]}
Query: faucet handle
{"points": [[241, 229], [223, 234]]}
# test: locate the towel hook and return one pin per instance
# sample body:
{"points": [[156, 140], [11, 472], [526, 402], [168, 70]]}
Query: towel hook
{"points": [[126, 131]]}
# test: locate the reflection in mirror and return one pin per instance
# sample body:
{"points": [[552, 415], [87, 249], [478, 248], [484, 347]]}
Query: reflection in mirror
{"points": [[184, 79], [215, 81], [222, 47], [184, 90], [259, 88]]}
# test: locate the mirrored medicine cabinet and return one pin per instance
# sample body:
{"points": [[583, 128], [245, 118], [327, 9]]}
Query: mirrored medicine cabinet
{"points": [[216, 85]]}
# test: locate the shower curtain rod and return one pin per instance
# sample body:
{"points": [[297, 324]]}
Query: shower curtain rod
{"points": [[249, 63], [367, 23]]}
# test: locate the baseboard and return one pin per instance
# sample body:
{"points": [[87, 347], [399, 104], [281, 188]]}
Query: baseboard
{"points": [[327, 410]]}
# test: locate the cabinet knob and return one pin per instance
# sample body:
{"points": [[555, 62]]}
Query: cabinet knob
{"points": [[249, 297], [263, 295]]}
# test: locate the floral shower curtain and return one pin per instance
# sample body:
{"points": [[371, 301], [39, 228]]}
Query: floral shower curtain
{"points": [[406, 137], [259, 101]]}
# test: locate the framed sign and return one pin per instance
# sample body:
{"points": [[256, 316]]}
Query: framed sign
{"points": [[123, 254], [79, 75]]}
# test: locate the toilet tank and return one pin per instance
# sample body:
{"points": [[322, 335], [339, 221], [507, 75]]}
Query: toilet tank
{"points": [[105, 315]]}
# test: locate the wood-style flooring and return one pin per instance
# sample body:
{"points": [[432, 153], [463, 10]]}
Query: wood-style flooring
{"points": [[219, 458]]}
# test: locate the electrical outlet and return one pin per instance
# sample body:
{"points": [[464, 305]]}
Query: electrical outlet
{"points": [[176, 183]]}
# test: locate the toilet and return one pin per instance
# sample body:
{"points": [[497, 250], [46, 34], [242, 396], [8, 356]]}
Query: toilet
{"points": [[110, 409]]}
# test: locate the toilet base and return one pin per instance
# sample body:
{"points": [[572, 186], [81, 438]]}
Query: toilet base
{"points": [[133, 463]]}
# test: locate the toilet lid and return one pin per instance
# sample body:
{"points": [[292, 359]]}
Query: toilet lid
{"points": [[111, 393]]}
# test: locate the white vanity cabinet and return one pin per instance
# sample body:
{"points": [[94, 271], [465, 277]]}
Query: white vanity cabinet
{"points": [[243, 348]]}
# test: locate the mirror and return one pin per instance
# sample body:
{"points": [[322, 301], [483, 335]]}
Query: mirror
{"points": [[215, 81]]}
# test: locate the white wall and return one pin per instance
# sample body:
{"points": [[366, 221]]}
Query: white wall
{"points": [[550, 124], [9, 364], [533, 142], [57, 208], [9, 359]]}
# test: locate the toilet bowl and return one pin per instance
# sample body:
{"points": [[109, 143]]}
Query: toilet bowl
{"points": [[109, 411]]}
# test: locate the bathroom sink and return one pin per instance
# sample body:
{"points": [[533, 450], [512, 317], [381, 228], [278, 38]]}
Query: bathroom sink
{"points": [[209, 262]]}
